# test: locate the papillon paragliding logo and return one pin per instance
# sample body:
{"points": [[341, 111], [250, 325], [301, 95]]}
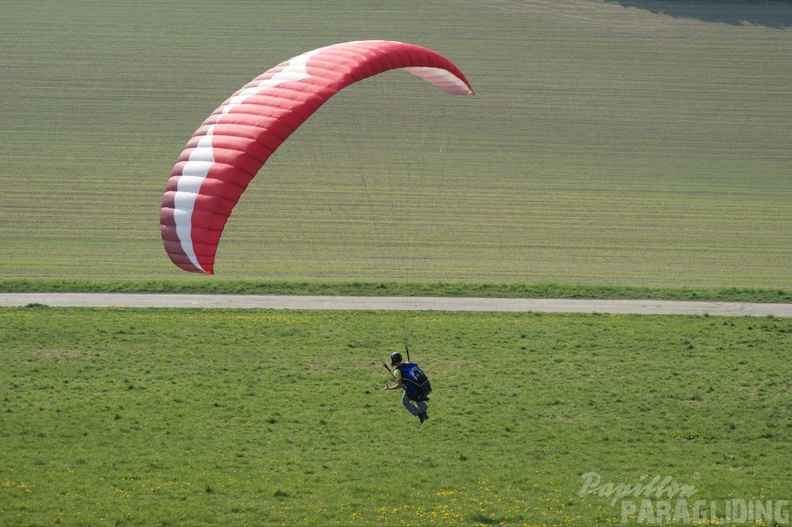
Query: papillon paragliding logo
{"points": [[233, 143], [661, 500]]}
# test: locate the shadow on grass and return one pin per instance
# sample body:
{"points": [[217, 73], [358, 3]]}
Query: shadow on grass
{"points": [[769, 13], [482, 519]]}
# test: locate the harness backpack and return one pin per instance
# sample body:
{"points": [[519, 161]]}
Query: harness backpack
{"points": [[415, 382]]}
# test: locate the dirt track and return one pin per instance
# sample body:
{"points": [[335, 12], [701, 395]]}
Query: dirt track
{"points": [[641, 307]]}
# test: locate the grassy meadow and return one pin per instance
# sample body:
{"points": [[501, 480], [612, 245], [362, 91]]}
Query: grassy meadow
{"points": [[613, 149], [608, 143], [235, 417]]}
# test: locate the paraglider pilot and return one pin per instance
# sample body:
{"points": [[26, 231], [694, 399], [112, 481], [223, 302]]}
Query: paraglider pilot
{"points": [[415, 384]]}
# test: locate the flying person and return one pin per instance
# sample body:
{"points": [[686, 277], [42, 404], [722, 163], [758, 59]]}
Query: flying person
{"points": [[415, 384]]}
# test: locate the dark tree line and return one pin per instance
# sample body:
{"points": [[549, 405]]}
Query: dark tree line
{"points": [[768, 13]]}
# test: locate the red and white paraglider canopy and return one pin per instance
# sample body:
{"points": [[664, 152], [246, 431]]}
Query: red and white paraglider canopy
{"points": [[230, 147]]}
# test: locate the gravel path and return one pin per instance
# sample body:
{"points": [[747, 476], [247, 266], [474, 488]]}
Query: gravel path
{"points": [[641, 307]]}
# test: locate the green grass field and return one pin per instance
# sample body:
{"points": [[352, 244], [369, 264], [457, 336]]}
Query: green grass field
{"points": [[606, 145], [614, 149], [232, 417]]}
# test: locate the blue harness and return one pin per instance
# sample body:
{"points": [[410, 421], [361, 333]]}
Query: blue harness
{"points": [[415, 382]]}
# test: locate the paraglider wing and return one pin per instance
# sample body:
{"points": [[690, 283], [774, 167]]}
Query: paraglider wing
{"points": [[232, 144]]}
